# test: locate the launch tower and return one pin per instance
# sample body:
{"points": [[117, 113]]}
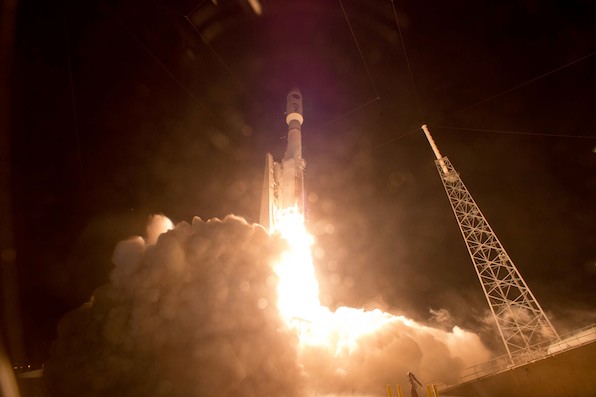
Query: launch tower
{"points": [[283, 182], [522, 324]]}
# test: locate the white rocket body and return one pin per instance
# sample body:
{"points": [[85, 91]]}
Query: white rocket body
{"points": [[283, 185]]}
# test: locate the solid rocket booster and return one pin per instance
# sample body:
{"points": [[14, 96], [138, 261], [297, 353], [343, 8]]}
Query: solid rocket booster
{"points": [[283, 184]]}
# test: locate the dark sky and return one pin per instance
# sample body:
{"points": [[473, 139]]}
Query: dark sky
{"points": [[124, 109]]}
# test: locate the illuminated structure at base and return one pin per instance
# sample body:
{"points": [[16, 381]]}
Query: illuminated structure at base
{"points": [[521, 321], [283, 182]]}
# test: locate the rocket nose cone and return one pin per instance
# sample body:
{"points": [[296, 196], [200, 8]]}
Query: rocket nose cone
{"points": [[294, 104], [294, 96]]}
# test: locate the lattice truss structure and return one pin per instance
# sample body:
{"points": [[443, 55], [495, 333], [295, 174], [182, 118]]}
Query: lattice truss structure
{"points": [[524, 327]]}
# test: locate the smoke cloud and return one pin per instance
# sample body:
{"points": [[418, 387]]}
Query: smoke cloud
{"points": [[356, 361], [192, 315], [191, 311]]}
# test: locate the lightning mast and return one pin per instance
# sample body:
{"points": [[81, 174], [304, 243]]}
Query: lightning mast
{"points": [[522, 324]]}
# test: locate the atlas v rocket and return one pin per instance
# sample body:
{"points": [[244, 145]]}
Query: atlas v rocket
{"points": [[283, 183]]}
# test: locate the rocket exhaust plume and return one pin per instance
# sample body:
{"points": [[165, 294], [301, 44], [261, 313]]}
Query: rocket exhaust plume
{"points": [[224, 308], [209, 309], [349, 349]]}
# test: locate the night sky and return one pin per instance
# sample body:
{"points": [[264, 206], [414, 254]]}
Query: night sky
{"points": [[120, 110]]}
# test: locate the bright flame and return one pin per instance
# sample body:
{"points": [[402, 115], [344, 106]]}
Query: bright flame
{"points": [[298, 294], [343, 333], [298, 290]]}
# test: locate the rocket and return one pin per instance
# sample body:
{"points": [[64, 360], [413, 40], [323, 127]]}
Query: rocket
{"points": [[283, 182]]}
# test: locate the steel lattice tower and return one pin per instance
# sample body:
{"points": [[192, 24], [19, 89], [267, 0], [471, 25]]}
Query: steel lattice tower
{"points": [[522, 324]]}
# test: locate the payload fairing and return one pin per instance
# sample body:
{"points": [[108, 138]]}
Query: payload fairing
{"points": [[283, 183]]}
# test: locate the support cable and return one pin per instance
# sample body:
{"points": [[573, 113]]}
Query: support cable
{"points": [[397, 138], [384, 143], [171, 10], [204, 40], [523, 84], [144, 47], [345, 114], [372, 83], [194, 9], [376, 98], [403, 44], [495, 96], [516, 132], [221, 61], [73, 98]]}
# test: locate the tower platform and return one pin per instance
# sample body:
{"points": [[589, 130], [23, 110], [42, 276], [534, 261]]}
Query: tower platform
{"points": [[568, 373]]}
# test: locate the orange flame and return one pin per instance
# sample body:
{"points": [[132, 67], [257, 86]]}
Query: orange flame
{"points": [[342, 333], [298, 289], [298, 294]]}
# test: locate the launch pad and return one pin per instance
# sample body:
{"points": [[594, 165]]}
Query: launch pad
{"points": [[567, 373]]}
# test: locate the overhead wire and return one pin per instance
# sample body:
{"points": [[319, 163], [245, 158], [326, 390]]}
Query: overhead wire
{"points": [[238, 81], [165, 68], [410, 72], [171, 10], [387, 142], [221, 61], [73, 97], [403, 44], [369, 75], [397, 138], [377, 96], [195, 8], [320, 127], [216, 54], [204, 40], [393, 139], [359, 51], [370, 79], [523, 84], [529, 81], [515, 132]]}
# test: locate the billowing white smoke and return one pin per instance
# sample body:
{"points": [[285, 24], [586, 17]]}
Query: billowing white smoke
{"points": [[195, 315], [384, 355], [192, 315]]}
